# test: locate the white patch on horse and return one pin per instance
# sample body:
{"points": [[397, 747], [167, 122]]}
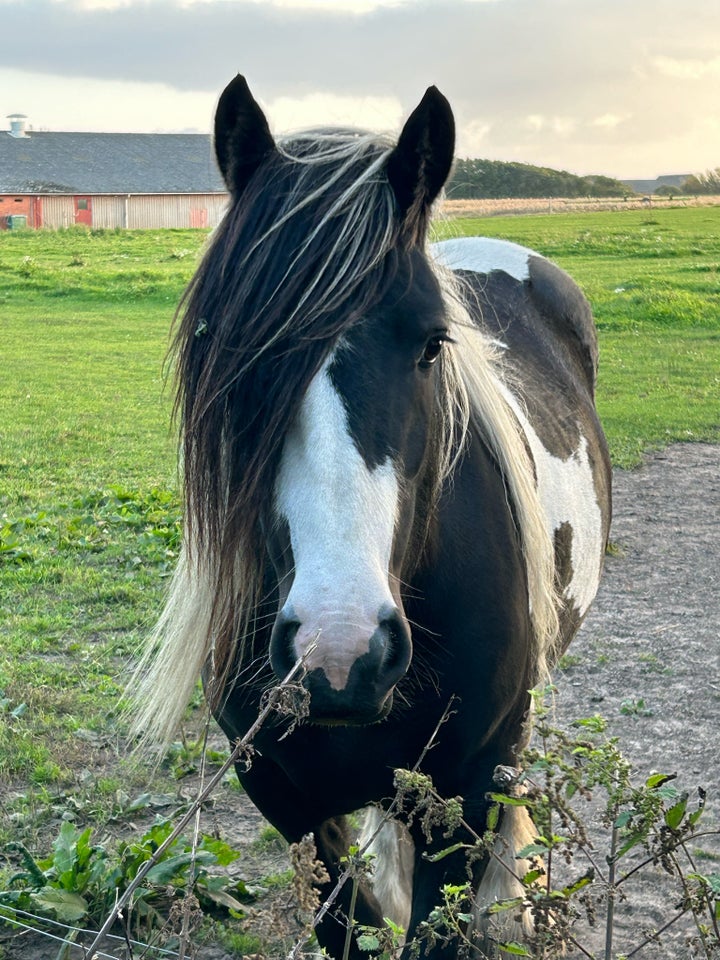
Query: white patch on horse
{"points": [[483, 255], [341, 517], [501, 882], [567, 494], [393, 852]]}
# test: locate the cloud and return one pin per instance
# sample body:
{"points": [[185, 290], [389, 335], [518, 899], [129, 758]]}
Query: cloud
{"points": [[599, 84], [371, 113], [610, 121], [691, 68]]}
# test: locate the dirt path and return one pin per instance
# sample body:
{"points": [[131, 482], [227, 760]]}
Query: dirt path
{"points": [[653, 633], [648, 656]]}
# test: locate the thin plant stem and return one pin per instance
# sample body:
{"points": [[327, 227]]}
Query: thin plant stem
{"points": [[185, 931], [580, 947], [351, 917], [649, 860], [657, 934], [611, 891], [688, 896]]}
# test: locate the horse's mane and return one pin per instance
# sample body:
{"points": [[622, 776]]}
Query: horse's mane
{"points": [[309, 247]]}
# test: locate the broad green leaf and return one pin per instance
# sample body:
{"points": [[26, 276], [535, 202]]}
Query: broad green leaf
{"points": [[595, 724], [223, 852], [368, 942], [675, 814], [624, 819], [173, 867], [531, 850], [710, 880], [435, 857], [65, 848], [222, 898], [658, 779], [632, 841], [515, 949], [500, 905], [493, 816], [83, 850], [67, 906], [507, 801], [573, 888]]}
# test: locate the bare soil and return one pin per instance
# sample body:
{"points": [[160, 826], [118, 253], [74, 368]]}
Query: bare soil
{"points": [[647, 659]]}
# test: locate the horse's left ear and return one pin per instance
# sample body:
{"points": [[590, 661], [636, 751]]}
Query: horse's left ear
{"points": [[242, 135], [420, 163]]}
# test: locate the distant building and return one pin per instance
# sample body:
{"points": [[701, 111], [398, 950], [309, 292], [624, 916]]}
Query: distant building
{"points": [[131, 180]]}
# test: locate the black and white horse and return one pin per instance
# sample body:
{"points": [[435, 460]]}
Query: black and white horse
{"points": [[393, 468]]}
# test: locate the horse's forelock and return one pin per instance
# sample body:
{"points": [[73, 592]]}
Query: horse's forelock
{"points": [[305, 252]]}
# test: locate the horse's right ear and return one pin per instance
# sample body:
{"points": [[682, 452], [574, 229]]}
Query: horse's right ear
{"points": [[242, 135], [420, 163]]}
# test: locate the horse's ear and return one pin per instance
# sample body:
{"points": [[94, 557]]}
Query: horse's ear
{"points": [[420, 163], [242, 135]]}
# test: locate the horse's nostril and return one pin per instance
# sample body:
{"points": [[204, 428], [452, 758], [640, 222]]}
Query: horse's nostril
{"points": [[397, 639], [282, 646]]}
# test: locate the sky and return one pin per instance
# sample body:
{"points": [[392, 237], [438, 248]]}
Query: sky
{"points": [[626, 88]]}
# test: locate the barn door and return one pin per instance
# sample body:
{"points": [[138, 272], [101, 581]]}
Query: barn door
{"points": [[198, 217], [83, 210]]}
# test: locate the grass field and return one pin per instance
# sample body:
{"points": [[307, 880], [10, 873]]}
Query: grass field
{"points": [[89, 520]]}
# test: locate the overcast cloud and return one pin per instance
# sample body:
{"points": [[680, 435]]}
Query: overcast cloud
{"points": [[625, 87]]}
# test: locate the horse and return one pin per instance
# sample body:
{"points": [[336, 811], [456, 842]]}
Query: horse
{"points": [[395, 477]]}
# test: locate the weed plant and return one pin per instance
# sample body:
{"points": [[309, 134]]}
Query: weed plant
{"points": [[575, 889]]}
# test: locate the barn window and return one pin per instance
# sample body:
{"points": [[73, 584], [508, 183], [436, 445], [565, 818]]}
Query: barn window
{"points": [[82, 203]]}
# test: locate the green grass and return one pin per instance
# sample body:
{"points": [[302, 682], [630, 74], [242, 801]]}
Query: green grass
{"points": [[89, 516], [85, 320]]}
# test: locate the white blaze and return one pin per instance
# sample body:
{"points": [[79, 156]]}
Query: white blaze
{"points": [[341, 517]]}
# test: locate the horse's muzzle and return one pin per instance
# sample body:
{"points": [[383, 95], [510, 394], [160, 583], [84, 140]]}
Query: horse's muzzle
{"points": [[349, 673]]}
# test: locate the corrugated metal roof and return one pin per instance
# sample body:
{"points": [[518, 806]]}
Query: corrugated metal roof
{"points": [[95, 163]]}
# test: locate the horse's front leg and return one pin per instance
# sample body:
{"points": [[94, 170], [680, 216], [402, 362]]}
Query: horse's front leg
{"points": [[494, 877], [355, 904], [430, 934], [295, 815]]}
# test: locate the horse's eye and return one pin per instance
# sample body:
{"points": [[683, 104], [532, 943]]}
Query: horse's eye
{"points": [[433, 349]]}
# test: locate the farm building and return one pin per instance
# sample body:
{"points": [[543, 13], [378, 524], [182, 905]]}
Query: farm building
{"points": [[132, 180]]}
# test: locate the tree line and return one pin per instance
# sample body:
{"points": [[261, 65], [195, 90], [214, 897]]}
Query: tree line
{"points": [[486, 179]]}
